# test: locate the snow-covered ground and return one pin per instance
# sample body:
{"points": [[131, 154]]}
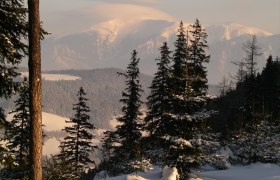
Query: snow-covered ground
{"points": [[256, 171], [51, 146], [51, 122], [56, 77], [155, 174]]}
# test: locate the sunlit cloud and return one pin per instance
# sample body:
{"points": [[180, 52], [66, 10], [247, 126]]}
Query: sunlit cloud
{"points": [[128, 12]]}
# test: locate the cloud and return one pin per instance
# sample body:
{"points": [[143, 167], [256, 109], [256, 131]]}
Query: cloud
{"points": [[128, 12]]}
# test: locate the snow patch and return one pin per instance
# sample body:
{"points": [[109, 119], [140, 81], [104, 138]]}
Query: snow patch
{"points": [[50, 121], [55, 77], [53, 122], [169, 173], [51, 147]]}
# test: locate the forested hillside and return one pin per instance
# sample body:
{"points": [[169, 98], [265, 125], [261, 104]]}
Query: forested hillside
{"points": [[103, 87]]}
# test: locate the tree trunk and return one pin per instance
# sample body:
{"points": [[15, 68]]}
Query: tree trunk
{"points": [[35, 89]]}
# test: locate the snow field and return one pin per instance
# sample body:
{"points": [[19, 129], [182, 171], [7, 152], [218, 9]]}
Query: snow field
{"points": [[156, 174]]}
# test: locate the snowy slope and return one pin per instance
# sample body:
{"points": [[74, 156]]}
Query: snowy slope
{"points": [[50, 121], [53, 122], [256, 171]]}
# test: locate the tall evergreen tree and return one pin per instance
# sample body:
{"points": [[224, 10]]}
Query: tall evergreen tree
{"points": [[159, 106], [13, 32], [197, 56], [18, 134], [180, 81], [78, 144], [189, 87], [129, 131], [159, 100], [180, 126]]}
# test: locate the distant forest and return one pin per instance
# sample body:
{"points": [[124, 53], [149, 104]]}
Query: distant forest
{"points": [[103, 87]]}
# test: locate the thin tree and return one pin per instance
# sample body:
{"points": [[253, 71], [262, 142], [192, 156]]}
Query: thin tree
{"points": [[223, 86], [78, 143], [252, 51], [35, 88], [241, 73]]}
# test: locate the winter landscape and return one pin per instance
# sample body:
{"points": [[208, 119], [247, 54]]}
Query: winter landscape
{"points": [[140, 90]]}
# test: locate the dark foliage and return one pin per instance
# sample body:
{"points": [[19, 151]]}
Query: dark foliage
{"points": [[77, 145]]}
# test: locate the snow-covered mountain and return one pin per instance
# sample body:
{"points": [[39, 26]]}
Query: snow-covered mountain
{"points": [[232, 30], [110, 43]]}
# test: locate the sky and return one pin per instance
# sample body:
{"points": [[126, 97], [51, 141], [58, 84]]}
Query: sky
{"points": [[70, 16]]}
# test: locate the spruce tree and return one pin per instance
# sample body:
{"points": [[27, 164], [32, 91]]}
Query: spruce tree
{"points": [[77, 145], [179, 130], [180, 80], [197, 56], [159, 99], [180, 87], [188, 88], [129, 131], [159, 106], [18, 134]]}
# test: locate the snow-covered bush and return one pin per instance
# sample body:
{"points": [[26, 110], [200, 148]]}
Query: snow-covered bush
{"points": [[262, 145], [142, 165], [209, 151]]}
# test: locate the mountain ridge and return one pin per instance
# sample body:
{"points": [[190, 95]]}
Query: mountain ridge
{"points": [[111, 48]]}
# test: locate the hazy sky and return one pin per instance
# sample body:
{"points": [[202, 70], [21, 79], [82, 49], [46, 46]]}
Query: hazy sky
{"points": [[68, 16]]}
